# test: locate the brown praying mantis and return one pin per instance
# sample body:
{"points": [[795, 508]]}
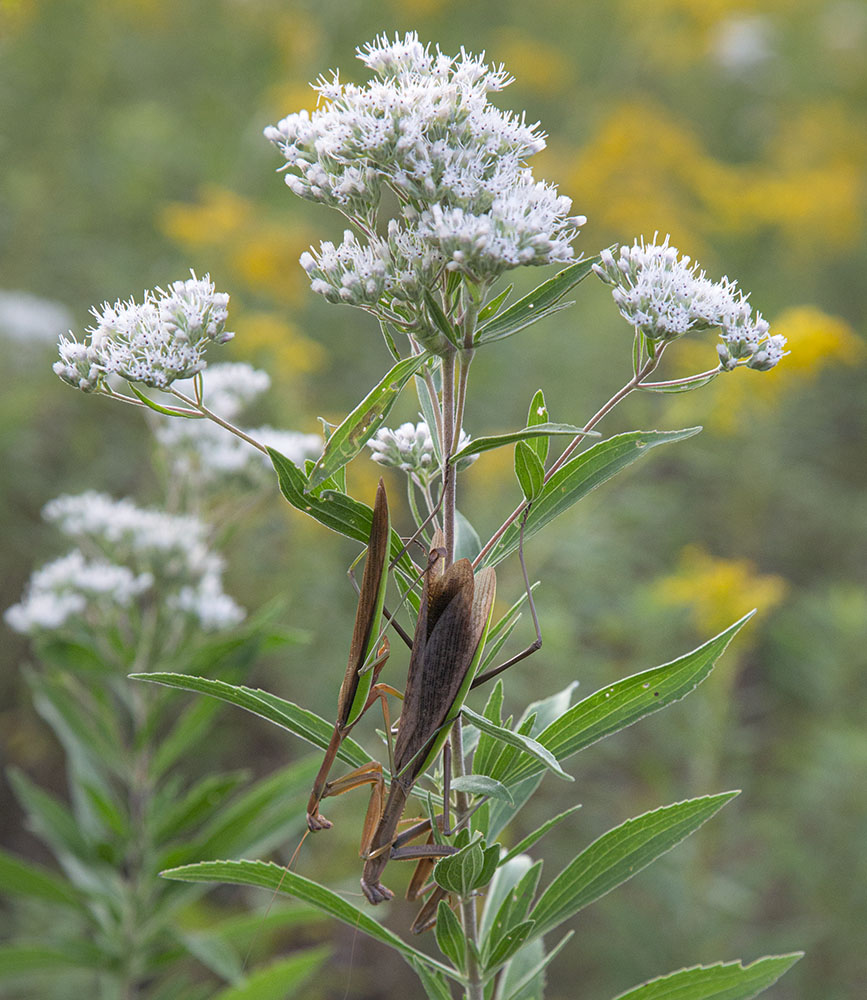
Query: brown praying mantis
{"points": [[454, 616]]}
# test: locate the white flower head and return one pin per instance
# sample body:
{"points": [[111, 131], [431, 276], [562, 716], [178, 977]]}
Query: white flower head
{"points": [[410, 448], [665, 295], [154, 342], [423, 126], [69, 586]]}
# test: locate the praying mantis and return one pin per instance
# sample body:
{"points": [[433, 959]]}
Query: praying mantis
{"points": [[454, 616]]}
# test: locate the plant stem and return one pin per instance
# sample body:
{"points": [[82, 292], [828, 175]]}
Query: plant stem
{"points": [[448, 442], [219, 420], [645, 370], [474, 982]]}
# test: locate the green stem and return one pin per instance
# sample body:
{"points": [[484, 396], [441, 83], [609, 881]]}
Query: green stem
{"points": [[448, 443], [219, 420], [474, 981], [646, 369]]}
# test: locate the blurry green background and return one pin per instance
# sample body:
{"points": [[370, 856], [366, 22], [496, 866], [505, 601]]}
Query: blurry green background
{"points": [[131, 150]]}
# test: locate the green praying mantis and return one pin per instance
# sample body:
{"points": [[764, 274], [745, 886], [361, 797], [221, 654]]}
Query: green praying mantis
{"points": [[454, 617]]}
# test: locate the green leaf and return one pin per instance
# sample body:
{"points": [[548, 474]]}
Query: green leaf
{"points": [[541, 302], [50, 818], [488, 747], [434, 983], [508, 944], [723, 981], [219, 957], [578, 477], [696, 384], [197, 804], [281, 980], [303, 723], [335, 510], [427, 414], [537, 415], [169, 411], [23, 878], [470, 869], [537, 435], [621, 704], [511, 913], [481, 784], [490, 309], [266, 811], [467, 542], [618, 855], [23, 959], [537, 834], [275, 878], [190, 728], [530, 975], [450, 936], [364, 421], [542, 756], [529, 470], [441, 321]]}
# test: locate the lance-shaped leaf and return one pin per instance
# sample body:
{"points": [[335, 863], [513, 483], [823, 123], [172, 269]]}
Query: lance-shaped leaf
{"points": [[24, 878], [450, 936], [541, 431], [529, 470], [281, 980], [539, 753], [364, 421], [618, 855], [305, 724], [723, 981], [578, 477], [619, 705], [541, 302], [490, 309], [275, 878], [332, 508], [531, 838], [537, 415]]}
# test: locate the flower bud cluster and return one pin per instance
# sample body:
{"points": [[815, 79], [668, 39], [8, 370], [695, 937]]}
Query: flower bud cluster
{"points": [[424, 128], [664, 295], [125, 554], [410, 449], [153, 342]]}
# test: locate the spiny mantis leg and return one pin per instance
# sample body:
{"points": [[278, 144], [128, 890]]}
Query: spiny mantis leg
{"points": [[534, 646]]}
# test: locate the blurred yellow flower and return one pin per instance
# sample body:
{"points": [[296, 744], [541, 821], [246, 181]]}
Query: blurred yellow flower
{"points": [[14, 14], [718, 591], [255, 251], [272, 343], [645, 171], [535, 64]]}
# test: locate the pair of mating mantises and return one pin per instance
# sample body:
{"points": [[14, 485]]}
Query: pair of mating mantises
{"points": [[453, 620]]}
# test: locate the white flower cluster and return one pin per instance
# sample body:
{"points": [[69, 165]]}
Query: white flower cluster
{"points": [[423, 128], [66, 587], [154, 342], [125, 553], [207, 452], [410, 449], [665, 296]]}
